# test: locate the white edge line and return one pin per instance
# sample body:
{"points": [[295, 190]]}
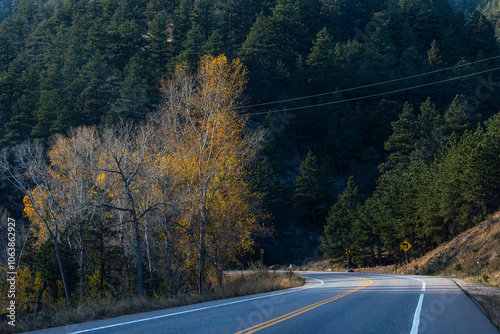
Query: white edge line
{"points": [[416, 316], [200, 309]]}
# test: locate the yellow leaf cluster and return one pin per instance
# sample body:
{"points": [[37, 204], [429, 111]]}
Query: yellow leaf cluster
{"points": [[210, 151], [28, 285], [36, 209]]}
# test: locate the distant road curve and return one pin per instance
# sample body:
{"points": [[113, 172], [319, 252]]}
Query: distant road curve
{"points": [[328, 303]]}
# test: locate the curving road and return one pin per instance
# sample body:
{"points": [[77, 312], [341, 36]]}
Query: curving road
{"points": [[328, 303]]}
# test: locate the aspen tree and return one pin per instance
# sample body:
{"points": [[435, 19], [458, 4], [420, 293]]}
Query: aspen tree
{"points": [[209, 149]]}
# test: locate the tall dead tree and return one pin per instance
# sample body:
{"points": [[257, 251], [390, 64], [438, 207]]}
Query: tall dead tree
{"points": [[130, 167]]}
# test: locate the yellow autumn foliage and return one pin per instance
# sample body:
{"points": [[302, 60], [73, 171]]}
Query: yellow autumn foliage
{"points": [[210, 151], [28, 285], [38, 213]]}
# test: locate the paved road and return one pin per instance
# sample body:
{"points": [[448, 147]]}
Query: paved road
{"points": [[328, 303]]}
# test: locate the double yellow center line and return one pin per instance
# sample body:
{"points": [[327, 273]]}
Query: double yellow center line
{"points": [[287, 316]]}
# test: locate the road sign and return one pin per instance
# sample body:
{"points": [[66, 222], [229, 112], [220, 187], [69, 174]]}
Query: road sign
{"points": [[348, 251], [405, 245], [261, 251]]}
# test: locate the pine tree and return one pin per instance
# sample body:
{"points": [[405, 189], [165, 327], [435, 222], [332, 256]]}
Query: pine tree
{"points": [[429, 125], [192, 45], [272, 48], [267, 183], [338, 233], [344, 139], [403, 139], [133, 103], [158, 46], [309, 190], [182, 23], [18, 128], [483, 35], [459, 116], [320, 62], [433, 56], [95, 92]]}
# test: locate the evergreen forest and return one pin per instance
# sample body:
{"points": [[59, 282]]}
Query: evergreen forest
{"points": [[333, 124]]}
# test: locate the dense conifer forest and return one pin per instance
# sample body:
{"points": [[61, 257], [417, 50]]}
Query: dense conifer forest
{"points": [[343, 124]]}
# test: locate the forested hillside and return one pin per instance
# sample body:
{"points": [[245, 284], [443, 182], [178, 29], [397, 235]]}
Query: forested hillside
{"points": [[371, 122], [469, 6]]}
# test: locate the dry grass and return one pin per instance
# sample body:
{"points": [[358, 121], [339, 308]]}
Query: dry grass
{"points": [[246, 284], [491, 304], [234, 285], [479, 244]]}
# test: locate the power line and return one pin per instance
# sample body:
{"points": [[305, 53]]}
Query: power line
{"points": [[374, 95], [367, 86]]}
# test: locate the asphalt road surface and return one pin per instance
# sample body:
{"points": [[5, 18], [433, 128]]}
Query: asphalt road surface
{"points": [[328, 303]]}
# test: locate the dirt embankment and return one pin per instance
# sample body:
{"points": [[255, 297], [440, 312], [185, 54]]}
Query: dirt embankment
{"points": [[472, 256]]}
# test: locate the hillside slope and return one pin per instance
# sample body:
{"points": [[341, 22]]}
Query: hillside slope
{"points": [[460, 256], [456, 258]]}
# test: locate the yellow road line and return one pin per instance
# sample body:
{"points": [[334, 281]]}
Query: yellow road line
{"points": [[287, 316]]}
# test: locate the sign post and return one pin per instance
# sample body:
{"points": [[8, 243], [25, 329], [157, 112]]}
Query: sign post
{"points": [[348, 251], [405, 245], [478, 271], [262, 255]]}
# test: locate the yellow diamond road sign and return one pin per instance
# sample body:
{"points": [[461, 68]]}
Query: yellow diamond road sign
{"points": [[405, 245]]}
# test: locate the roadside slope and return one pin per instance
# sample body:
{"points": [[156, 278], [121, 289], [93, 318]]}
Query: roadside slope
{"points": [[462, 254]]}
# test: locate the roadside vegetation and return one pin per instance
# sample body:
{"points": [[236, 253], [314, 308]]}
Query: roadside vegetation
{"points": [[256, 280]]}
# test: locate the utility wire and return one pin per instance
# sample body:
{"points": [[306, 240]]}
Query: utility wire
{"points": [[367, 86], [374, 95]]}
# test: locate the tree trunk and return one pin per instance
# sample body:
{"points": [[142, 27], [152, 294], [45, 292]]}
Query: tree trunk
{"points": [[202, 251], [63, 276], [82, 270], [379, 246], [40, 296], [219, 276], [373, 261], [148, 253], [167, 255], [82, 265], [122, 244], [101, 250], [138, 255]]}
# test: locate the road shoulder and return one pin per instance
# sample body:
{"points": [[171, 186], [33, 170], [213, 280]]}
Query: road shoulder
{"points": [[487, 298]]}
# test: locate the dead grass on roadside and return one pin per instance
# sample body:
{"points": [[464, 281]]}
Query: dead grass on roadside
{"points": [[491, 305]]}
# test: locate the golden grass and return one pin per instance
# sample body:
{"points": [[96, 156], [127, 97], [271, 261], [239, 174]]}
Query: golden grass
{"points": [[491, 305], [234, 285]]}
